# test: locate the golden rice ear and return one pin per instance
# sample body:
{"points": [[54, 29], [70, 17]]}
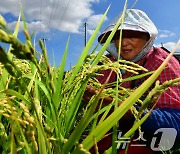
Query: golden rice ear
{"points": [[2, 22]]}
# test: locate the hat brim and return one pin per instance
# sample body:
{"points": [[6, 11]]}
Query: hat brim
{"points": [[103, 37]]}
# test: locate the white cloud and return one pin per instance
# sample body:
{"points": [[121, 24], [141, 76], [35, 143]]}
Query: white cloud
{"points": [[166, 33], [163, 35], [170, 46], [67, 15], [90, 31], [32, 27], [92, 22]]}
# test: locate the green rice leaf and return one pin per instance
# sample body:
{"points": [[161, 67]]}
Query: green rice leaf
{"points": [[72, 114], [137, 76], [75, 136], [41, 141], [23, 17], [60, 77], [41, 85]]}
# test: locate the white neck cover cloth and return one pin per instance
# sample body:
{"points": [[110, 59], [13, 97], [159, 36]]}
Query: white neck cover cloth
{"points": [[135, 20]]}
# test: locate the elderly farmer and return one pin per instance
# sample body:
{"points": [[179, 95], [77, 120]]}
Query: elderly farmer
{"points": [[138, 35]]}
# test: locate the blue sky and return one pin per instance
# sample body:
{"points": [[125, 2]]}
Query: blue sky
{"points": [[56, 20]]}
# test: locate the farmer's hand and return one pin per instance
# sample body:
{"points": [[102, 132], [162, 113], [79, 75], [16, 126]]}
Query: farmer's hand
{"points": [[128, 115], [89, 92]]}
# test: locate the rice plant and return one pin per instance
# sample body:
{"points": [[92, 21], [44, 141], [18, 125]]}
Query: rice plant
{"points": [[41, 107]]}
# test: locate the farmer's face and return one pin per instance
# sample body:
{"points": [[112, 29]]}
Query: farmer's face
{"points": [[131, 44]]}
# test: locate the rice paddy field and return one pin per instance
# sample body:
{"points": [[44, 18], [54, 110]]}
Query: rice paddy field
{"points": [[41, 107]]}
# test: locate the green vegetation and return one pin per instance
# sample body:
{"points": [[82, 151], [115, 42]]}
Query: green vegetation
{"points": [[40, 106]]}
